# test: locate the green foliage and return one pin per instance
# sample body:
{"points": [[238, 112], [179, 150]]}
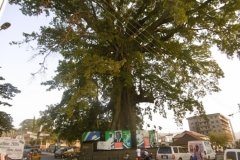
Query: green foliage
{"points": [[5, 122], [119, 54], [219, 139], [7, 91]]}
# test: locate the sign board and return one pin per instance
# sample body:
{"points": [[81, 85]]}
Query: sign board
{"points": [[103, 145], [12, 147]]}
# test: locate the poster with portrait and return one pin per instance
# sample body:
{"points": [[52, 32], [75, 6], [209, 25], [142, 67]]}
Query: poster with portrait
{"points": [[109, 137], [126, 135], [146, 139], [91, 136], [118, 139]]}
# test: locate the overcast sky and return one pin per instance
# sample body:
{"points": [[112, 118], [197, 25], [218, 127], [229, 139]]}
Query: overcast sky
{"points": [[17, 68]]}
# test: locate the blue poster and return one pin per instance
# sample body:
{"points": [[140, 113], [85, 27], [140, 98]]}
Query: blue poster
{"points": [[91, 136]]}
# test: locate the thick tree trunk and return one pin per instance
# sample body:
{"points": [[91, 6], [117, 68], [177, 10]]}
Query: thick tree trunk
{"points": [[124, 117]]}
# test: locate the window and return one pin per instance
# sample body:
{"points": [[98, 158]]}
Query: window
{"points": [[182, 150], [231, 156], [164, 150], [175, 149], [238, 155]]}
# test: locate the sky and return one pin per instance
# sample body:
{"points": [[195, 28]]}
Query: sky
{"points": [[17, 65]]}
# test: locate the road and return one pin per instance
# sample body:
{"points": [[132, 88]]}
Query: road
{"points": [[48, 156]]}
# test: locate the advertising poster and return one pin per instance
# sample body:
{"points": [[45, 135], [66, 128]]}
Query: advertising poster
{"points": [[118, 140], [91, 136], [139, 138], [12, 147], [103, 145], [126, 135], [146, 139], [151, 138], [109, 137]]}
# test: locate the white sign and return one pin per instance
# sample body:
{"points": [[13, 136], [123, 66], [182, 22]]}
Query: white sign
{"points": [[12, 147], [103, 145]]}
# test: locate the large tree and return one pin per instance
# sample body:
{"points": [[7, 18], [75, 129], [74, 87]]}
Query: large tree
{"points": [[123, 53]]}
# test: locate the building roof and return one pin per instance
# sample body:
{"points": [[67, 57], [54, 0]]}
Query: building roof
{"points": [[217, 114], [191, 133]]}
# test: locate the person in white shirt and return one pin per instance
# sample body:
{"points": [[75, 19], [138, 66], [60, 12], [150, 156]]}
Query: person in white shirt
{"points": [[138, 151]]}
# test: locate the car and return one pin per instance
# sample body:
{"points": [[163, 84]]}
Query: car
{"points": [[60, 152], [205, 148], [172, 153], [32, 154]]}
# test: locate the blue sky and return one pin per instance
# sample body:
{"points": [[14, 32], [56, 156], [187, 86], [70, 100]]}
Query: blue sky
{"points": [[17, 69]]}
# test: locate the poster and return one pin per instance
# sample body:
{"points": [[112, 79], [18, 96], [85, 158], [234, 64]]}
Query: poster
{"points": [[103, 145], [109, 137], [12, 147], [118, 140], [152, 138], [91, 136], [139, 138], [126, 135], [146, 139]]}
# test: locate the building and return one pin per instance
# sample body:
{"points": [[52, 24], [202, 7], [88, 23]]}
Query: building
{"points": [[2, 6], [183, 138], [212, 123]]}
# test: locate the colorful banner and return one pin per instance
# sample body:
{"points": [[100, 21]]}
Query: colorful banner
{"points": [[146, 139], [126, 135], [91, 136], [118, 140], [109, 137], [152, 138]]}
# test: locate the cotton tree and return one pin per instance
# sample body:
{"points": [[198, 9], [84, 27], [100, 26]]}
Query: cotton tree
{"points": [[124, 53]]}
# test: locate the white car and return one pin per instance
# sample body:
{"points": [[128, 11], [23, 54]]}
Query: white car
{"points": [[172, 153]]}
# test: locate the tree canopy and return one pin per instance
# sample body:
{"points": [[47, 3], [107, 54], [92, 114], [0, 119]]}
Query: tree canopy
{"points": [[220, 139], [120, 54], [5, 122]]}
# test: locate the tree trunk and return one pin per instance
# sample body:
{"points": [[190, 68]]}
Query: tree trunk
{"points": [[124, 117]]}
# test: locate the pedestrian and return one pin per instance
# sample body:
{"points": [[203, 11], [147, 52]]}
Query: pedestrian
{"points": [[138, 151], [197, 153]]}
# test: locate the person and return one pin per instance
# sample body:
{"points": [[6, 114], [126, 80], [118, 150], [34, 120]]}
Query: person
{"points": [[142, 154], [138, 151], [198, 153], [118, 137], [146, 155]]}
